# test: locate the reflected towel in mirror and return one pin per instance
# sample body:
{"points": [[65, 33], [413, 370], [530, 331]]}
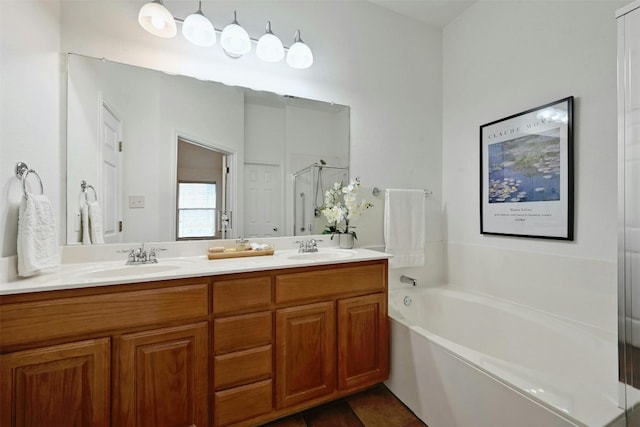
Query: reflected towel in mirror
{"points": [[95, 223], [84, 218]]}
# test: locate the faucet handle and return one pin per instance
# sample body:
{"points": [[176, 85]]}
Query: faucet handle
{"points": [[313, 245], [152, 254]]}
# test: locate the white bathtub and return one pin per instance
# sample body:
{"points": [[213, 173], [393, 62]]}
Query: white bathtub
{"points": [[463, 359]]}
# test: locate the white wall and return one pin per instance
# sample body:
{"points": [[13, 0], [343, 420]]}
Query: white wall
{"points": [[264, 133], [501, 58], [30, 102], [394, 93]]}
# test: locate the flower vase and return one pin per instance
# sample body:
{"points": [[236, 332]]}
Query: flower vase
{"points": [[345, 240]]}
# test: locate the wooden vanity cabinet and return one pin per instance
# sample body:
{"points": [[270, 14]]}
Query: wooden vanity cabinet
{"points": [[160, 377], [363, 341], [242, 347], [324, 327], [231, 350], [126, 355], [305, 355], [62, 385]]}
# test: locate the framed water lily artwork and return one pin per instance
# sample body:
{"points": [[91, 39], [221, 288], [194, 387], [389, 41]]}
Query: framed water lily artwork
{"points": [[526, 173]]}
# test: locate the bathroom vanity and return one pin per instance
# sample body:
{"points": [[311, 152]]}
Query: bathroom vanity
{"points": [[237, 346]]}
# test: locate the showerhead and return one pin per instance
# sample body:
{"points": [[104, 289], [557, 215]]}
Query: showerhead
{"points": [[322, 162]]}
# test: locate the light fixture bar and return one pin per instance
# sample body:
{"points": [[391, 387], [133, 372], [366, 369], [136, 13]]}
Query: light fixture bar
{"points": [[218, 31], [156, 19]]}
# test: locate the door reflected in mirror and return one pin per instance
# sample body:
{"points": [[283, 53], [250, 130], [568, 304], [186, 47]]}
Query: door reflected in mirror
{"points": [[137, 166], [201, 191]]}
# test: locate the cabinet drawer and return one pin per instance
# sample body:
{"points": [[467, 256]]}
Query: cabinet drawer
{"points": [[242, 403], [241, 294], [330, 282], [242, 332], [49, 319], [242, 367]]}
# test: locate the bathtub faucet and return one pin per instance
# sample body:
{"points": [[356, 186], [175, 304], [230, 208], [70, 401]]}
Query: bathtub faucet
{"points": [[410, 280]]}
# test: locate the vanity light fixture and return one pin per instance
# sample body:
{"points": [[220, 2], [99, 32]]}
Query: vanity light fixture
{"points": [[234, 39], [155, 18], [269, 47], [198, 29], [299, 55]]}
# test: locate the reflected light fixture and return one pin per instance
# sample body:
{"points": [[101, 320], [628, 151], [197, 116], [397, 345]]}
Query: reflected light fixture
{"points": [[155, 18], [269, 47], [554, 115], [299, 55], [198, 29], [234, 39]]}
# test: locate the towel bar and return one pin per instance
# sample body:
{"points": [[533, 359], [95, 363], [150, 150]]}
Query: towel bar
{"points": [[22, 171], [376, 192]]}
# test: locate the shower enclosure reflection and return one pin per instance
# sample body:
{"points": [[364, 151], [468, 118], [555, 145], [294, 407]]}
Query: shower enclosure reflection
{"points": [[310, 185]]}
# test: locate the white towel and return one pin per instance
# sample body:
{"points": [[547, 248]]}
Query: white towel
{"points": [[95, 223], [84, 221], [37, 236], [404, 227]]}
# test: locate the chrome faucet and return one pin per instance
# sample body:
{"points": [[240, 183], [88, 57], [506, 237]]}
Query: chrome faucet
{"points": [[310, 245], [408, 280], [140, 256]]}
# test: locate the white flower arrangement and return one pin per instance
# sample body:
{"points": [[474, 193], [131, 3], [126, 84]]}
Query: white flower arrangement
{"points": [[340, 204]]}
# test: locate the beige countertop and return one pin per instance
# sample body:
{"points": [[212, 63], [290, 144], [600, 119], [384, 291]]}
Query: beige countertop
{"points": [[92, 274]]}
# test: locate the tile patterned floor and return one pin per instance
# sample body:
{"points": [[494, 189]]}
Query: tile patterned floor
{"points": [[376, 407]]}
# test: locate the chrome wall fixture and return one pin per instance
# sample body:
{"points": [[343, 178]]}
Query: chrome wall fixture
{"points": [[197, 29]]}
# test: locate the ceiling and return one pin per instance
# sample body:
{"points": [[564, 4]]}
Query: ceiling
{"points": [[437, 13]]}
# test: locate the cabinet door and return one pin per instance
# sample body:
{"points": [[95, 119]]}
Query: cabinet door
{"points": [[63, 385], [363, 341], [161, 377], [305, 353]]}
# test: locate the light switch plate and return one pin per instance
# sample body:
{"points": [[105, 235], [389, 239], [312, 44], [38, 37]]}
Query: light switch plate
{"points": [[136, 202]]}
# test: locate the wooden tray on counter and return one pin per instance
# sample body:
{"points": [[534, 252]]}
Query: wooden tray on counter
{"points": [[239, 254]]}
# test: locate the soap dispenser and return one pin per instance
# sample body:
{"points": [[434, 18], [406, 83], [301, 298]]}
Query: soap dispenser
{"points": [[241, 244]]}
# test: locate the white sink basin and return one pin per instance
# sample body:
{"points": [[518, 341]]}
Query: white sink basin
{"points": [[130, 270], [324, 254]]}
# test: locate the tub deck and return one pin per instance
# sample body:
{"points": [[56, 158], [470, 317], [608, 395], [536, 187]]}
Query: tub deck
{"points": [[460, 358]]}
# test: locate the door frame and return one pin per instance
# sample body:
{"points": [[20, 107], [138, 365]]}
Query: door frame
{"points": [[230, 187]]}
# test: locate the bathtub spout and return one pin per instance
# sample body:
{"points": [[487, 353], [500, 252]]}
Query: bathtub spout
{"points": [[409, 280]]}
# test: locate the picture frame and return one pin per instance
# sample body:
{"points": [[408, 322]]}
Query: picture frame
{"points": [[526, 173]]}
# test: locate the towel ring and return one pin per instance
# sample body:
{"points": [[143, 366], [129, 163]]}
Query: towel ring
{"points": [[22, 172], [85, 187]]}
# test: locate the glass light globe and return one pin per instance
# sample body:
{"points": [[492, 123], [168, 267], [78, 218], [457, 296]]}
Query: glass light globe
{"points": [[157, 20], [270, 47], [234, 40], [299, 55], [158, 23], [199, 30]]}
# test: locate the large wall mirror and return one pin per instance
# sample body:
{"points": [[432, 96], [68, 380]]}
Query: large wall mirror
{"points": [[167, 157]]}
